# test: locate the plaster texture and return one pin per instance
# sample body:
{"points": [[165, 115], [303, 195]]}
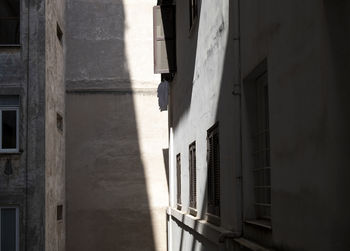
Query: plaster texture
{"points": [[116, 178], [307, 60]]}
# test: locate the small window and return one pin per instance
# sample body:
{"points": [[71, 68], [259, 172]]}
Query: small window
{"points": [[213, 161], [9, 116], [193, 5], [59, 212], [9, 229], [9, 22], [59, 33], [178, 178], [59, 122], [193, 178]]}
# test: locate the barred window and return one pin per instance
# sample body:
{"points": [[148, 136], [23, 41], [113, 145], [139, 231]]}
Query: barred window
{"points": [[262, 170], [9, 22], [213, 161], [193, 178]]}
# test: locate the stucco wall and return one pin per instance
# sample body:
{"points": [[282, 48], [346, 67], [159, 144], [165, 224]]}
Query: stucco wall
{"points": [[307, 61], [116, 179]]}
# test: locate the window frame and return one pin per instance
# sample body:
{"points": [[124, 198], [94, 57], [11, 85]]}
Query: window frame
{"points": [[18, 44], [213, 211], [17, 224], [10, 108], [192, 179]]}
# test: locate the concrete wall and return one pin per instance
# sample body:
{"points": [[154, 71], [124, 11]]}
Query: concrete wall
{"points": [[22, 72], [33, 70], [116, 178], [307, 60], [54, 136]]}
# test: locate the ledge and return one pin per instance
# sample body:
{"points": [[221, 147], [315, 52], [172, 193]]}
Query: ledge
{"points": [[250, 245], [209, 231]]}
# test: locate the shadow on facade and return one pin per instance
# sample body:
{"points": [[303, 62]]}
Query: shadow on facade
{"points": [[107, 203]]}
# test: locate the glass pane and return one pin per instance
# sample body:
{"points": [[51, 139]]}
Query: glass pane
{"points": [[8, 229], [9, 100], [9, 132], [9, 22]]}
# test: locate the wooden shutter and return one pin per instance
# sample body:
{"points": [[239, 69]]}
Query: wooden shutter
{"points": [[164, 43]]}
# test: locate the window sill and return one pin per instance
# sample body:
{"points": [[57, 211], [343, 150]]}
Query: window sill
{"points": [[265, 224], [11, 153], [211, 232], [10, 45]]}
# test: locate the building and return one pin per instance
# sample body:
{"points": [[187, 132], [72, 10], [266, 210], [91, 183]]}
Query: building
{"points": [[258, 120], [117, 138], [32, 112]]}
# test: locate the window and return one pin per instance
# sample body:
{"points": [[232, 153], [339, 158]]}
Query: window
{"points": [[59, 33], [9, 115], [59, 212], [178, 178], [59, 122], [213, 161], [262, 169], [9, 229], [193, 179], [9, 22], [193, 11]]}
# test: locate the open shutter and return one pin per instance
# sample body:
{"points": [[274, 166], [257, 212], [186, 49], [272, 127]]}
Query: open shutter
{"points": [[164, 42]]}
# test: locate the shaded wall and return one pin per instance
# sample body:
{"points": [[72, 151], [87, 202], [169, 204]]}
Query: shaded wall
{"points": [[116, 179]]}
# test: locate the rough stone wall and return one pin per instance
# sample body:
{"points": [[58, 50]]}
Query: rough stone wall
{"points": [[116, 178], [54, 136]]}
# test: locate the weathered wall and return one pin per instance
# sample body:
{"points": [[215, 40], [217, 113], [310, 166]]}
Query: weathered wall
{"points": [[307, 61], [307, 55], [22, 72], [54, 136], [116, 181]]}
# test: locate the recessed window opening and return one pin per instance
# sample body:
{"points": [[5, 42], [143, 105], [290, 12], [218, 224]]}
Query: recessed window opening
{"points": [[59, 33], [9, 22], [193, 6], [193, 178], [178, 179], [262, 170], [59, 122], [213, 161], [59, 212], [9, 229], [9, 125]]}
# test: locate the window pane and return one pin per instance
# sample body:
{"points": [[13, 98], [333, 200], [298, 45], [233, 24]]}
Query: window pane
{"points": [[9, 100], [9, 132], [9, 22], [8, 229]]}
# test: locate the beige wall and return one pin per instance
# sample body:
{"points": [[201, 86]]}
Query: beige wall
{"points": [[116, 180]]}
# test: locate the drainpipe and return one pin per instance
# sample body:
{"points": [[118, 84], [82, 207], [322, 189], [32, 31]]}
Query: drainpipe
{"points": [[237, 91]]}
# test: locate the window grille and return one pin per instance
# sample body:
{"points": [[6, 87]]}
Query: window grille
{"points": [[9, 22], [262, 170], [193, 179], [178, 176], [213, 161]]}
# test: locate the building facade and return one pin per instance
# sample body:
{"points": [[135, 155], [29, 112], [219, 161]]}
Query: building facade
{"points": [[32, 154], [258, 120], [117, 138]]}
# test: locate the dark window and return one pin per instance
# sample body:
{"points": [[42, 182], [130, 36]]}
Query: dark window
{"points": [[9, 22], [59, 122], [9, 108], [193, 178], [59, 33], [8, 219], [262, 169], [59, 212], [213, 160], [193, 11], [178, 178]]}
